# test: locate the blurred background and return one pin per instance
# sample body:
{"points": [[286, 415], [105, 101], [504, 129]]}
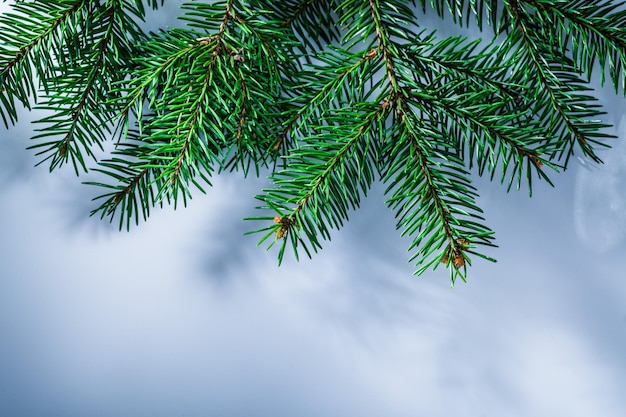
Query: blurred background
{"points": [[185, 316]]}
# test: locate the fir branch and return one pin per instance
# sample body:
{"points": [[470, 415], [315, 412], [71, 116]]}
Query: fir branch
{"points": [[461, 12], [336, 91], [430, 191], [424, 177], [324, 177], [323, 88], [136, 188], [597, 33], [568, 125], [80, 119], [28, 31], [303, 17]]}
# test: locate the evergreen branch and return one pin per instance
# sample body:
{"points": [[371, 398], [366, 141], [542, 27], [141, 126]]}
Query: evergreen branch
{"points": [[210, 97], [324, 178], [456, 58], [42, 38], [465, 93], [303, 17], [480, 9], [421, 177], [597, 32], [339, 76], [32, 36], [335, 90], [385, 45], [488, 136], [137, 185], [80, 117], [572, 123], [184, 142], [431, 192]]}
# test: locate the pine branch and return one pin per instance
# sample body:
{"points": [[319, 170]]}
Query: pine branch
{"points": [[432, 194], [324, 94], [479, 111], [427, 193], [596, 31], [573, 125], [335, 80], [79, 120], [324, 178], [211, 97], [28, 31], [136, 188], [304, 17], [461, 11]]}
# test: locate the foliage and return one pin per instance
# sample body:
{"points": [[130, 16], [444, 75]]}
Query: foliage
{"points": [[328, 95]]}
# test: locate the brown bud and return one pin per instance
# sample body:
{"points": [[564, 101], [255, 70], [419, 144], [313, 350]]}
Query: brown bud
{"points": [[371, 53], [459, 260]]}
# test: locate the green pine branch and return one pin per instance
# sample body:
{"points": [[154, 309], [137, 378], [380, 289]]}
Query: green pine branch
{"points": [[326, 96], [323, 179], [80, 104]]}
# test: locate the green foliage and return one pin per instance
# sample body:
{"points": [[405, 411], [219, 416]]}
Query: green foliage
{"points": [[329, 96]]}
